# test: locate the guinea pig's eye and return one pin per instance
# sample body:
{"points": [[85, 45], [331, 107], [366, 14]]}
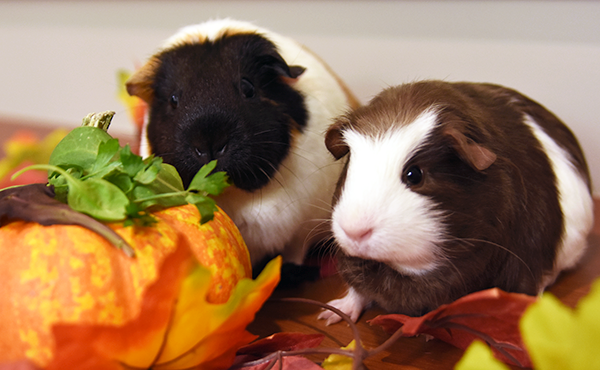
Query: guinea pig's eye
{"points": [[413, 176], [174, 101], [247, 88]]}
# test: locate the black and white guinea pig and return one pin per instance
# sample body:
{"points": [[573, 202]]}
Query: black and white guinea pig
{"points": [[260, 104], [451, 188]]}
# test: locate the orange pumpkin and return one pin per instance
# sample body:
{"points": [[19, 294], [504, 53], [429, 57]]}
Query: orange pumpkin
{"points": [[67, 274]]}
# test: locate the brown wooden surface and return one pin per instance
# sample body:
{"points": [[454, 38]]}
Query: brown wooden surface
{"points": [[406, 353]]}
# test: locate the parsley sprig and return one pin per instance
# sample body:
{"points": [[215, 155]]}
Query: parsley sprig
{"points": [[94, 175]]}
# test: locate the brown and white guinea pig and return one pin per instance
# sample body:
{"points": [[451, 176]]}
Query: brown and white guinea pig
{"points": [[451, 188], [260, 104]]}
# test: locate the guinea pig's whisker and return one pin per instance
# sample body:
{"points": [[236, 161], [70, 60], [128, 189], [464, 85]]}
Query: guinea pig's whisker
{"points": [[326, 206], [330, 248], [307, 160], [269, 177], [263, 132], [289, 170], [318, 228], [450, 263], [270, 142], [465, 215], [471, 241], [276, 179]]}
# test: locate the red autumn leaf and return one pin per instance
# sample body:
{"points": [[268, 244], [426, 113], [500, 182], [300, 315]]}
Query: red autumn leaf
{"points": [[279, 342], [490, 315], [282, 342]]}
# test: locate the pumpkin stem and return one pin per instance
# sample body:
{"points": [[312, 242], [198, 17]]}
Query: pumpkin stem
{"points": [[100, 120]]}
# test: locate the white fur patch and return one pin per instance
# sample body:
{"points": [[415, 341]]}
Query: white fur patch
{"points": [[576, 204], [405, 230], [352, 304], [210, 31], [292, 211]]}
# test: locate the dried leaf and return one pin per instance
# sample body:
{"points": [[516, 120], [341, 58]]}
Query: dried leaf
{"points": [[289, 363], [490, 315], [282, 342]]}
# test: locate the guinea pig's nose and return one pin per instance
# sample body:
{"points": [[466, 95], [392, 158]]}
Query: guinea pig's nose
{"points": [[359, 233], [211, 151]]}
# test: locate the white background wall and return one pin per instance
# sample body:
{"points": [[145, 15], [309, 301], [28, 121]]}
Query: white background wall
{"points": [[58, 59]]}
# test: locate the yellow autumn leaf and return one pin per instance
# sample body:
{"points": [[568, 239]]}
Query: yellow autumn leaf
{"points": [[560, 338], [339, 362], [479, 356], [201, 333], [194, 339]]}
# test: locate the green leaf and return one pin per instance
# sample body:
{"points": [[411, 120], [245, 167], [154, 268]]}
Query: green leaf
{"points": [[479, 356], [168, 179], [132, 163], [205, 205], [144, 197], [106, 171], [98, 198], [94, 175], [79, 148], [213, 184], [137, 215], [149, 173], [95, 197], [120, 179], [106, 151], [206, 169]]}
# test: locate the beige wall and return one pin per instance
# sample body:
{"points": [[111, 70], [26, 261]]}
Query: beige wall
{"points": [[58, 59]]}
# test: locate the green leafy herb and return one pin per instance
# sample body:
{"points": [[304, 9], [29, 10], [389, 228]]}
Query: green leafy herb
{"points": [[80, 147], [94, 175]]}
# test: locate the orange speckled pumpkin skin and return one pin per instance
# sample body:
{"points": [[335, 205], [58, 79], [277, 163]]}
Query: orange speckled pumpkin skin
{"points": [[68, 274]]}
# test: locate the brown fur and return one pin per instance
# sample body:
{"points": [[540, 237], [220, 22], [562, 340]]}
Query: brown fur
{"points": [[485, 169]]}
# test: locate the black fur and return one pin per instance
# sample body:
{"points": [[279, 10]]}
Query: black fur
{"points": [[226, 100]]}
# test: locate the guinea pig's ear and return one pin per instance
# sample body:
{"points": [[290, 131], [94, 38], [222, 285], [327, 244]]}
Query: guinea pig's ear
{"points": [[140, 83], [274, 61], [296, 71], [334, 138], [289, 73], [474, 154]]}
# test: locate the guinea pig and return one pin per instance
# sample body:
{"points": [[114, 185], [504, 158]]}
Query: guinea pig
{"points": [[452, 188], [260, 104]]}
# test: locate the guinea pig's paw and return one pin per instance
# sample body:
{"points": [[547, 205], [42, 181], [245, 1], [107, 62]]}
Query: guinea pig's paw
{"points": [[352, 304]]}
